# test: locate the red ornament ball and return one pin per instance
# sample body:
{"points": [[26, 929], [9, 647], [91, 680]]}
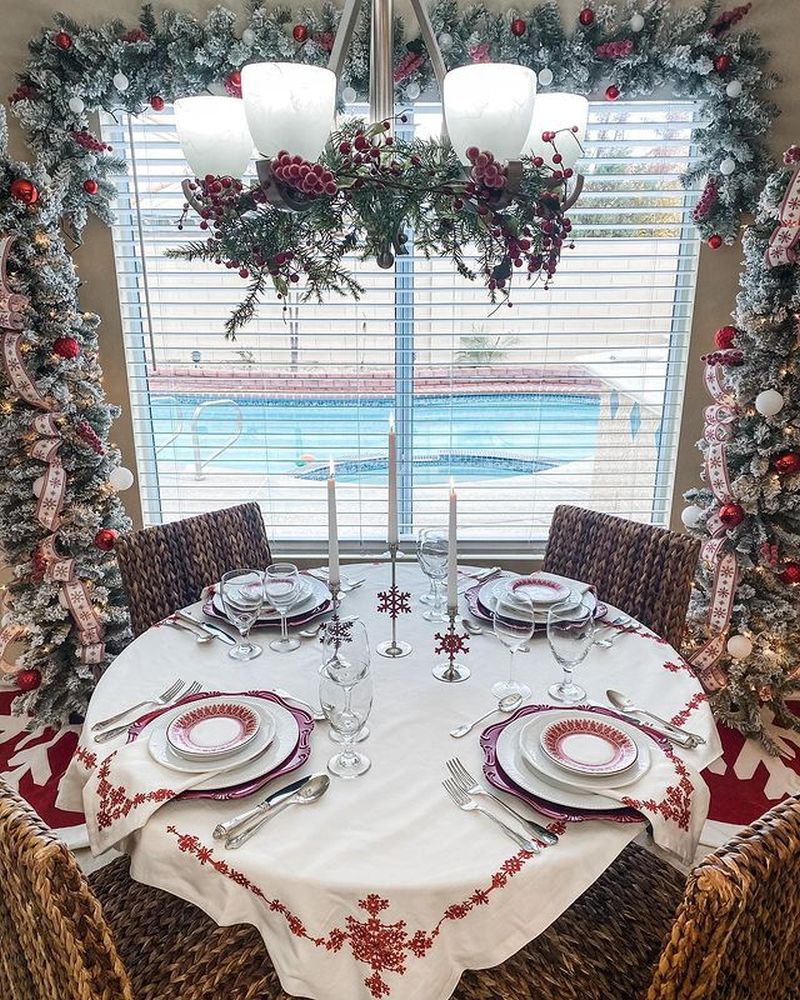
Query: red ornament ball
{"points": [[787, 463], [24, 191], [715, 241], [724, 337], [518, 27], [106, 539], [722, 63], [731, 514], [300, 33], [157, 103], [28, 680], [791, 573], [586, 17], [66, 347], [612, 92], [90, 186], [63, 41]]}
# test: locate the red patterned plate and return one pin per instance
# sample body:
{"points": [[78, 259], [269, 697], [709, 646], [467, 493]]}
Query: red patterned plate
{"points": [[588, 746], [538, 589], [212, 730]]}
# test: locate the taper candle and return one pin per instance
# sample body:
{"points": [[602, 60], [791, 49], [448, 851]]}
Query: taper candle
{"points": [[392, 529], [452, 552], [333, 530]]}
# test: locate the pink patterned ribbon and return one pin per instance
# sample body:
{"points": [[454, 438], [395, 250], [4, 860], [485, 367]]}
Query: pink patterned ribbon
{"points": [[781, 248], [12, 304]]}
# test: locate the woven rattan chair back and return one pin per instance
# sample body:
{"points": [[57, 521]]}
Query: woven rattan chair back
{"points": [[737, 932], [642, 569], [166, 567], [54, 941]]}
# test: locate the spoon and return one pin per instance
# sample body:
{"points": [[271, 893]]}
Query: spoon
{"points": [[309, 633], [313, 789], [200, 637], [507, 704], [623, 621], [625, 704], [314, 712]]}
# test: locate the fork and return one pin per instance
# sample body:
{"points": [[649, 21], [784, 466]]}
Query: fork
{"points": [[622, 621], [109, 734], [467, 783], [162, 699], [463, 801]]}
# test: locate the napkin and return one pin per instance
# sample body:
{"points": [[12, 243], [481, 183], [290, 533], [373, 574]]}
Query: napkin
{"points": [[126, 788]]}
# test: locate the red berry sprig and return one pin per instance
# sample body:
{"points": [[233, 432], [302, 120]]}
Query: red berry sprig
{"points": [[90, 186], [722, 63], [86, 140], [727, 19], [707, 200], [486, 173], [23, 92], [310, 179], [157, 102], [136, 35], [615, 50]]}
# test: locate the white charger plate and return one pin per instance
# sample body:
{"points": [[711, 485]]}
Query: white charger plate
{"points": [[313, 593], [487, 595]]}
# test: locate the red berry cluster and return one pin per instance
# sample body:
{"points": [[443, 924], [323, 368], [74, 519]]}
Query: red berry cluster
{"points": [[325, 40], [86, 140], [727, 19], [409, 64], [557, 172], [365, 151], [707, 200], [219, 197], [23, 93], [726, 358], [615, 50], [486, 173], [86, 432], [311, 179]]}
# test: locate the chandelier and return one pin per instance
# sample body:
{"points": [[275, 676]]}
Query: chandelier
{"points": [[492, 194]]}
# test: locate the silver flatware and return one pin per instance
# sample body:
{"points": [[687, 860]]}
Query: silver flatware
{"points": [[622, 621], [481, 576], [110, 734], [315, 713], [346, 583], [213, 631], [463, 801], [310, 633], [625, 704], [312, 790], [507, 704], [222, 830], [163, 699], [471, 786], [183, 627]]}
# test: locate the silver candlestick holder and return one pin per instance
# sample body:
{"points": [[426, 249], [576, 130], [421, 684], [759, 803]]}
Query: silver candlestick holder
{"points": [[394, 602], [451, 643]]}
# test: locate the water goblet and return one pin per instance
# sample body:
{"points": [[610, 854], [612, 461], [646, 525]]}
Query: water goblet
{"points": [[242, 593], [346, 700], [570, 632], [281, 583], [513, 626], [345, 648], [432, 545]]}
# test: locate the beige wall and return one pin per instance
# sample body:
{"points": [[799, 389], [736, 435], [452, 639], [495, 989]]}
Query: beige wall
{"points": [[774, 20]]}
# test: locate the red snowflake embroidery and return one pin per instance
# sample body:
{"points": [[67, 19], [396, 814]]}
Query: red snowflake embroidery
{"points": [[114, 802], [676, 804], [698, 698], [394, 602], [86, 757]]}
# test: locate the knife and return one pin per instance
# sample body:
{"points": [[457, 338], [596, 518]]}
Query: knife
{"points": [[218, 633], [221, 830]]}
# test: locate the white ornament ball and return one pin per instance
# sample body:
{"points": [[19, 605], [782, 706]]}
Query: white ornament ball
{"points": [[413, 91], [734, 88], [121, 82], [727, 167], [445, 41], [38, 486], [349, 95], [121, 478], [249, 36], [740, 647], [691, 516], [545, 77], [769, 402], [76, 105], [637, 22]]}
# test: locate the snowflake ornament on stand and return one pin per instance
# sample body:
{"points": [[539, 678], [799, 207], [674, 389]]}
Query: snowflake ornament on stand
{"points": [[394, 602], [451, 643]]}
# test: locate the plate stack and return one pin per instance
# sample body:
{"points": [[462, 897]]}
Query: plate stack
{"points": [[542, 590], [311, 600]]}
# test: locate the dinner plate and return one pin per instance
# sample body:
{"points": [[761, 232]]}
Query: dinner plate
{"points": [[310, 594], [540, 589], [212, 730], [487, 597]]}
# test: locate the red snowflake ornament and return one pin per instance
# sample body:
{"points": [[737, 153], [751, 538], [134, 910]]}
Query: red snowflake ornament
{"points": [[451, 643], [394, 602]]}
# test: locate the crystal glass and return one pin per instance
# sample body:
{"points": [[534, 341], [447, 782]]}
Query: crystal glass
{"points": [[570, 632], [346, 700], [213, 135], [489, 105], [428, 598], [432, 555], [242, 593], [552, 113], [345, 649], [513, 626], [281, 583]]}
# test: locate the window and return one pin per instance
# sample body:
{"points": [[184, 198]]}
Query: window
{"points": [[572, 395]]}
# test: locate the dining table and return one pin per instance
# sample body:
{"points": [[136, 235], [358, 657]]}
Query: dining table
{"points": [[383, 887]]}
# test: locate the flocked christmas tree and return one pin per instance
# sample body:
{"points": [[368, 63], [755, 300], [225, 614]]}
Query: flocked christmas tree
{"points": [[64, 614], [745, 612]]}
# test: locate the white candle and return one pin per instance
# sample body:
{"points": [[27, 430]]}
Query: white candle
{"points": [[392, 530], [452, 553], [333, 531]]}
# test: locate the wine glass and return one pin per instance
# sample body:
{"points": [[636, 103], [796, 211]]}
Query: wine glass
{"points": [[345, 650], [432, 545], [570, 632], [513, 626], [242, 593], [346, 700], [281, 583]]}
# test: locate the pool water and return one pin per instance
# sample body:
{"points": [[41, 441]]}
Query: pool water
{"points": [[466, 437]]}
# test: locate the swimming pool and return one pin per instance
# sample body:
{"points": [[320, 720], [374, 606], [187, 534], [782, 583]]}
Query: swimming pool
{"points": [[466, 437]]}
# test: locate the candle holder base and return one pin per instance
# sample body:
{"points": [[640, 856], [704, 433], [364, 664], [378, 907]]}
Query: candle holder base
{"points": [[451, 673], [451, 643], [393, 649]]}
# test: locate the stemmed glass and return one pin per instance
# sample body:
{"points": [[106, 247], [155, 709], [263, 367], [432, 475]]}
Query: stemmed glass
{"points": [[432, 547], [513, 626], [345, 647], [345, 694], [242, 593], [281, 583], [570, 632]]}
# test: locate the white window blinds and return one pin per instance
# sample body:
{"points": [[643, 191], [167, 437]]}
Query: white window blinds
{"points": [[572, 395]]}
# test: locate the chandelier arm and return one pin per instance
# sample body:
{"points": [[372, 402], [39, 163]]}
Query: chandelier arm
{"points": [[575, 193], [344, 36], [431, 44], [381, 72]]}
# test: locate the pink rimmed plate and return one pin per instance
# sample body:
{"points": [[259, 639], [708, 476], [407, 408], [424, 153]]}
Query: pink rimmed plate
{"points": [[213, 729], [588, 746], [484, 613], [538, 589]]}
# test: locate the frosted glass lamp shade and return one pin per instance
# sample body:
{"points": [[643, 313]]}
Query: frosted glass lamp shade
{"points": [[489, 105], [289, 106], [551, 113], [213, 135]]}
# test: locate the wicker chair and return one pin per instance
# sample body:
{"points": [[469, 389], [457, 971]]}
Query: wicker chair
{"points": [[645, 570], [166, 566], [736, 935]]}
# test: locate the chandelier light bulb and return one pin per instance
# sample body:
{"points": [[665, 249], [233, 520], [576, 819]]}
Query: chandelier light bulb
{"points": [[489, 105], [551, 113], [289, 106], [213, 135]]}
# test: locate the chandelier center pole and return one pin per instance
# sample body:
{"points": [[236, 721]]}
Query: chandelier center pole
{"points": [[381, 82]]}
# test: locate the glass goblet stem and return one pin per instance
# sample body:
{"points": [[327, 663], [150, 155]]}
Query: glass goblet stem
{"points": [[511, 651]]}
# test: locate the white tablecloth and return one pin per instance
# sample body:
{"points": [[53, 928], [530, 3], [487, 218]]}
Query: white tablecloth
{"points": [[383, 888]]}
